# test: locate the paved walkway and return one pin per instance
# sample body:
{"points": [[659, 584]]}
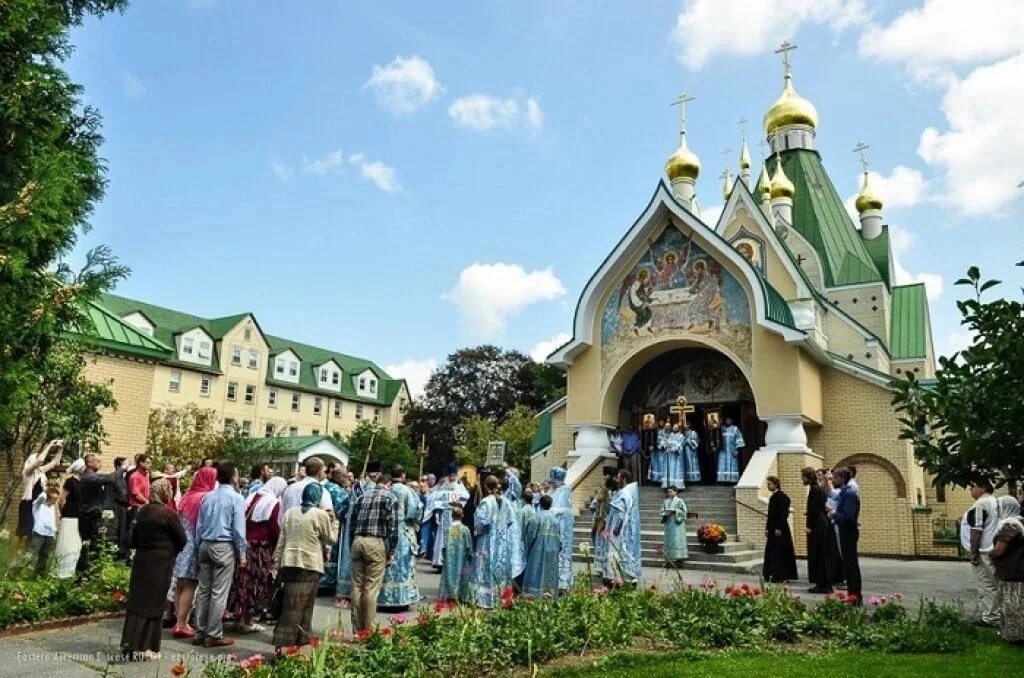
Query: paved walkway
{"points": [[84, 650]]}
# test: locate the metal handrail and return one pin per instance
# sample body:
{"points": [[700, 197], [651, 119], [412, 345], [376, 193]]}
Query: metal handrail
{"points": [[752, 508]]}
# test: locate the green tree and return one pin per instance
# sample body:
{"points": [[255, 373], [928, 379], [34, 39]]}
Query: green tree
{"points": [[183, 436], [474, 434], [517, 430], [65, 405], [967, 423], [388, 448], [50, 179]]}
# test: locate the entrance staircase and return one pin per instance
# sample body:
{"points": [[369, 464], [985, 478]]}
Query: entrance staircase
{"points": [[710, 503]]}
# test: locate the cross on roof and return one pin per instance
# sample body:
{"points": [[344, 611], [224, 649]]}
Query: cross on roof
{"points": [[764, 145], [784, 49], [743, 127], [860, 148], [726, 153], [681, 102]]}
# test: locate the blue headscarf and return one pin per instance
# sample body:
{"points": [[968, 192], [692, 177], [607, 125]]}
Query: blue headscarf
{"points": [[311, 496], [557, 474]]}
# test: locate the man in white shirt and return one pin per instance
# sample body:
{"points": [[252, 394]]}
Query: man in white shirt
{"points": [[315, 473], [984, 519], [33, 480]]}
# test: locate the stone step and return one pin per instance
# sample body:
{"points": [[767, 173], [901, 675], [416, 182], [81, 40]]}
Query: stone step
{"points": [[745, 567]]}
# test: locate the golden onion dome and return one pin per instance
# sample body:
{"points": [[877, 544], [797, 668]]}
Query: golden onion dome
{"points": [[744, 157], [764, 191], [727, 186], [683, 164], [781, 186], [867, 199], [790, 109]]}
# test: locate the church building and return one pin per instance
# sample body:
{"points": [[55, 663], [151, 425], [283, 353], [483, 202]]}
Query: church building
{"points": [[783, 316]]}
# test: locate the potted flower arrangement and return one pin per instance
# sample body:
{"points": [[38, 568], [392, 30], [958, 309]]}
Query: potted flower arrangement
{"points": [[711, 536]]}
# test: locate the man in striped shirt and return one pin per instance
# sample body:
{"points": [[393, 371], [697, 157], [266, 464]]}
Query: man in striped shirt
{"points": [[374, 538]]}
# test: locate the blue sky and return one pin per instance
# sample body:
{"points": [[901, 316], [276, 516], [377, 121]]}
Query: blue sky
{"points": [[397, 180]]}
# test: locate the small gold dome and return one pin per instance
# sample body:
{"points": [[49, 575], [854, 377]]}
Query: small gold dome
{"points": [[727, 186], [744, 157], [764, 191], [790, 109], [684, 163], [867, 199], [781, 186]]}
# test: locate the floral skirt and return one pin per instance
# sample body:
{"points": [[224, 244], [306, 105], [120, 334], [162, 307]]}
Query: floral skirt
{"points": [[250, 591]]}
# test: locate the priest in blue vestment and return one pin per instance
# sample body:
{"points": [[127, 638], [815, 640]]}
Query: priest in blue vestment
{"points": [[399, 587], [446, 494], [499, 548], [691, 441], [561, 506], [674, 460], [656, 471], [728, 457], [624, 532], [543, 549], [513, 486], [339, 501]]}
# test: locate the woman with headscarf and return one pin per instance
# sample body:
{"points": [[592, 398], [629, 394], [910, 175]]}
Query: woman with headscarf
{"points": [[69, 541], [1008, 566], [299, 556], [157, 538], [186, 567], [251, 588]]}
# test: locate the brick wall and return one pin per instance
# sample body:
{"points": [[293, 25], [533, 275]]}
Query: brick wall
{"points": [[132, 384], [924, 540]]}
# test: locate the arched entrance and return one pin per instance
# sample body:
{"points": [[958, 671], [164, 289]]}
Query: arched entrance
{"points": [[711, 383]]}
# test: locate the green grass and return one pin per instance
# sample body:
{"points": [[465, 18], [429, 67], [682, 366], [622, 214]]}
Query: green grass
{"points": [[990, 657]]}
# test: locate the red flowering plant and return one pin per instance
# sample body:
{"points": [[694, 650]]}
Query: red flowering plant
{"points": [[711, 534]]}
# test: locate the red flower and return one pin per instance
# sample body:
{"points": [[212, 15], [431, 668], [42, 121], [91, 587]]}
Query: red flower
{"points": [[423, 618], [840, 596], [385, 632], [117, 596], [314, 642], [398, 619], [440, 606], [852, 598], [738, 593], [178, 669], [253, 662], [361, 636], [756, 591], [291, 649], [746, 587], [729, 590]]}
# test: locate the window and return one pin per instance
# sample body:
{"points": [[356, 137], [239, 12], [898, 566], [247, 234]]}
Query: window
{"points": [[175, 382], [232, 391], [376, 415], [247, 334], [204, 349], [293, 368], [272, 397], [324, 372], [250, 394], [402, 404], [362, 383], [359, 411], [296, 402], [316, 431], [236, 355], [293, 431], [318, 405], [335, 378], [229, 426], [188, 345], [247, 429], [269, 431], [204, 386], [337, 408], [279, 367], [254, 359], [373, 386]]}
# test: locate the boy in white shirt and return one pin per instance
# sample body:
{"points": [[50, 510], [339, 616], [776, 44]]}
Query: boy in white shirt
{"points": [[984, 519], [44, 527]]}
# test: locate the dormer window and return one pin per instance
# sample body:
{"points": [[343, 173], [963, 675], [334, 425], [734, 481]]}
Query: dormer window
{"points": [[324, 375], [188, 346], [373, 386], [279, 368], [204, 349], [293, 368], [335, 378], [362, 383]]}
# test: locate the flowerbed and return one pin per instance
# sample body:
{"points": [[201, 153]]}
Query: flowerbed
{"points": [[465, 642]]}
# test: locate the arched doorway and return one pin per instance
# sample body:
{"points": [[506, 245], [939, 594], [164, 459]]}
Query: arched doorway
{"points": [[715, 387]]}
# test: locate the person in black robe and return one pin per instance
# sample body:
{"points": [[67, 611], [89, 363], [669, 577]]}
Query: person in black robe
{"points": [[157, 537], [779, 556], [817, 530]]}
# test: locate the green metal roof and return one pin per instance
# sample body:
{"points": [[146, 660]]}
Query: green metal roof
{"points": [[170, 323], [820, 216], [542, 438], [296, 444], [778, 309], [881, 254], [909, 328], [107, 331]]}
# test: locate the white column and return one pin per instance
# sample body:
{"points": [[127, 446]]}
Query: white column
{"points": [[785, 432], [592, 441]]}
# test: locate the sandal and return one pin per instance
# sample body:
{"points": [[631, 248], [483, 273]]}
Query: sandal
{"points": [[180, 632]]}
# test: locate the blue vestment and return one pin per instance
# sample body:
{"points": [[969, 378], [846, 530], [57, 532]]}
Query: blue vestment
{"points": [[543, 549], [673, 517], [439, 502], [514, 491], [656, 471], [339, 500], [499, 550], [456, 575], [691, 441], [561, 506], [728, 462], [674, 461], [399, 588], [624, 535]]}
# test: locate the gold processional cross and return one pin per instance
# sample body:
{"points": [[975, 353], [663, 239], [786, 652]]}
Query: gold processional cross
{"points": [[682, 409]]}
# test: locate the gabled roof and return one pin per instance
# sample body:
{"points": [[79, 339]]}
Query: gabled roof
{"points": [[820, 216], [909, 324], [107, 331], [313, 356]]}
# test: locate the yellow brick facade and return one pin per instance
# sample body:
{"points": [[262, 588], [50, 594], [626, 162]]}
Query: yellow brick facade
{"points": [[131, 382]]}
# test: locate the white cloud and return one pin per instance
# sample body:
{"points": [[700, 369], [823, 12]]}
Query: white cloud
{"points": [[380, 173], [979, 154], [956, 341], [904, 187], [483, 112], [283, 171], [901, 240], [131, 86], [704, 28], [487, 295], [710, 215], [542, 349], [415, 372], [941, 34], [322, 165], [405, 84]]}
